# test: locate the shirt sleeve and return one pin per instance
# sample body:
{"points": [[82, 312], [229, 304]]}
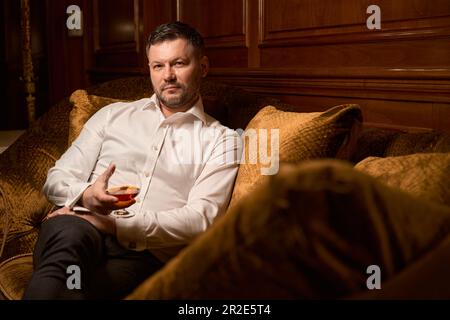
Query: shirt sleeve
{"points": [[208, 199], [69, 177]]}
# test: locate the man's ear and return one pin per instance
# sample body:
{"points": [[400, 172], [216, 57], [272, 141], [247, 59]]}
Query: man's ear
{"points": [[204, 64]]}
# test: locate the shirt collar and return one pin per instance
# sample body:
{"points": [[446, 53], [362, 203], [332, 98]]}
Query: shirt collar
{"points": [[196, 110]]}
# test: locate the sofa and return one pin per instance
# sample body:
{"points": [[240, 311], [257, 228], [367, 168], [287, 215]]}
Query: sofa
{"points": [[344, 198]]}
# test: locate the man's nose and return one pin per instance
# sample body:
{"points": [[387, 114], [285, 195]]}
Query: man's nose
{"points": [[169, 74]]}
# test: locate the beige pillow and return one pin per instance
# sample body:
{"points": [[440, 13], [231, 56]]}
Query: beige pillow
{"points": [[301, 136], [425, 175], [84, 106], [309, 232]]}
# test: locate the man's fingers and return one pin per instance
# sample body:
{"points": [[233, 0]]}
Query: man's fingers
{"points": [[106, 198], [104, 177], [63, 210]]}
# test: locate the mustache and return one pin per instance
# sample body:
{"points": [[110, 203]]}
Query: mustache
{"points": [[171, 85]]}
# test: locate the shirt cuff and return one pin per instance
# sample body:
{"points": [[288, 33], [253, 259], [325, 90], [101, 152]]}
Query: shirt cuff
{"points": [[76, 191], [129, 233]]}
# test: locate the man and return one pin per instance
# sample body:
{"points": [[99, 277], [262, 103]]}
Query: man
{"points": [[187, 162]]}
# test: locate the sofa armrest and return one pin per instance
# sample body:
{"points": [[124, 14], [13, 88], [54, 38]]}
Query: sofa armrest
{"points": [[427, 278], [23, 170]]}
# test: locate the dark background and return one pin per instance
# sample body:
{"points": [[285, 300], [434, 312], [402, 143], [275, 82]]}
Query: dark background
{"points": [[312, 53]]}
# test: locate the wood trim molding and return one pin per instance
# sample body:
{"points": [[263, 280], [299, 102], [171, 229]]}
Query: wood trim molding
{"points": [[339, 72], [368, 83], [118, 47], [392, 30], [118, 72], [358, 37], [401, 128]]}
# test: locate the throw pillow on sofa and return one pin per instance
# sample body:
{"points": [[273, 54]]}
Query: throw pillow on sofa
{"points": [[300, 136], [84, 106], [424, 175], [309, 232], [383, 143]]}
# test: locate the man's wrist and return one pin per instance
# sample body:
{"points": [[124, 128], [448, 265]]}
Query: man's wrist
{"points": [[82, 202]]}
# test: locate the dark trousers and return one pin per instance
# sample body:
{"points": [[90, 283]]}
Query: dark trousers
{"points": [[106, 269]]}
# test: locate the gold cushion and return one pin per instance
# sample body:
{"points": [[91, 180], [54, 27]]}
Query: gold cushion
{"points": [[84, 106], [302, 136], [424, 175], [309, 232], [374, 142], [15, 273], [409, 143]]}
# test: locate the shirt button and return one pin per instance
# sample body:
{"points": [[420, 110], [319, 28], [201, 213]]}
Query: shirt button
{"points": [[155, 148], [147, 174]]}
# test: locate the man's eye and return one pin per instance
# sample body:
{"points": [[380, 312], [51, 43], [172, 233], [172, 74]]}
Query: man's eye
{"points": [[157, 67], [179, 63]]}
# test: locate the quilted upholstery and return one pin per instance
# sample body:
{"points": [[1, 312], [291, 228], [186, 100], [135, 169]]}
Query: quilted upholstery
{"points": [[424, 175], [84, 106], [23, 170], [385, 143], [302, 136]]}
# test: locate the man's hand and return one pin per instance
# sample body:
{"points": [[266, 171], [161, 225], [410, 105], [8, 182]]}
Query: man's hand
{"points": [[96, 199], [105, 224]]}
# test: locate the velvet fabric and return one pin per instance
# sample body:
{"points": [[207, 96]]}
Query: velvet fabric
{"points": [[308, 233]]}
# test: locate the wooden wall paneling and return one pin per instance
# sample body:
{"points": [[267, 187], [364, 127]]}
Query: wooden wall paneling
{"points": [[288, 22], [13, 108], [39, 56], [117, 36], [313, 53], [441, 116], [126, 56], [404, 85], [385, 97], [88, 41], [223, 26], [426, 53], [253, 12], [66, 55], [156, 12]]}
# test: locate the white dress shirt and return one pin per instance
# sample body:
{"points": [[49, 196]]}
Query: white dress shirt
{"points": [[188, 163]]}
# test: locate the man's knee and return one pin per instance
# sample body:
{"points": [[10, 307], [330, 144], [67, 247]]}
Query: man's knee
{"points": [[69, 231]]}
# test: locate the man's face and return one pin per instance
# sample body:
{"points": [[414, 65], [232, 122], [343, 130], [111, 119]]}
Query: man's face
{"points": [[175, 72]]}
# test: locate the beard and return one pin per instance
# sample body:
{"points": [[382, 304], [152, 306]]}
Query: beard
{"points": [[186, 95]]}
